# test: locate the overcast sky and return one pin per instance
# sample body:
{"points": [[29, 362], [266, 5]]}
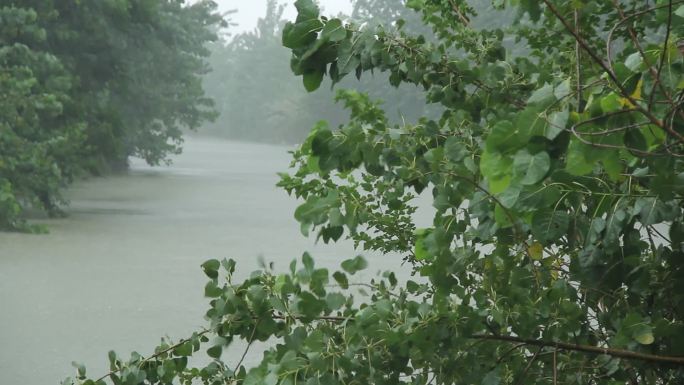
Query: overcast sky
{"points": [[250, 10]]}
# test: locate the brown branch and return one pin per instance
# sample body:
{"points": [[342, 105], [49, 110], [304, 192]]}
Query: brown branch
{"points": [[321, 318], [613, 352], [528, 366], [635, 40], [460, 15], [156, 355], [613, 130], [555, 367], [249, 344], [509, 351], [579, 135], [636, 151], [610, 73], [578, 66], [668, 31], [618, 353]]}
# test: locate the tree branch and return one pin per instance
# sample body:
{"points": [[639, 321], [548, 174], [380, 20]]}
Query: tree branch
{"points": [[618, 353], [249, 344], [156, 355], [610, 73]]}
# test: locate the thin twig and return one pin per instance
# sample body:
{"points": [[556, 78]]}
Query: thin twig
{"points": [[578, 66], [509, 351], [460, 15], [156, 355], [528, 366], [555, 367], [249, 344], [668, 31], [635, 40]]}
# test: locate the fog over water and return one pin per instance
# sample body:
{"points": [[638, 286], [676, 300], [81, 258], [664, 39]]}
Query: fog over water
{"points": [[249, 11], [123, 269]]}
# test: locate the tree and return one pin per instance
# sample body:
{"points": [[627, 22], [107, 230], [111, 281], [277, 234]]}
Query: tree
{"points": [[37, 147], [556, 250], [138, 66], [85, 85]]}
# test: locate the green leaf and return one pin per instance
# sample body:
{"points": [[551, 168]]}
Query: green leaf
{"points": [[576, 163], [312, 79], [680, 11], [341, 279], [348, 59], [301, 34], [270, 379], [420, 250], [309, 305], [335, 301], [211, 268], [541, 94], [557, 124], [496, 168], [502, 137], [634, 62], [530, 169], [211, 290], [509, 197], [638, 327], [634, 139], [644, 335], [351, 266], [529, 122], [497, 186], [80, 369], [334, 30], [184, 350], [308, 262], [549, 225], [611, 103], [536, 251], [502, 217], [306, 10], [563, 90], [454, 150], [492, 378], [215, 351]]}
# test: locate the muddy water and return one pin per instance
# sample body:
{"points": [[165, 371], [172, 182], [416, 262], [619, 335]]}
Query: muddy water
{"points": [[123, 270]]}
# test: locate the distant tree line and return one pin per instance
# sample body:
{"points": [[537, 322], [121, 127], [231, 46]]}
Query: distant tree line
{"points": [[86, 84], [259, 100]]}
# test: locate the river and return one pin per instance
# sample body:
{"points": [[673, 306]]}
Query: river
{"points": [[122, 270]]}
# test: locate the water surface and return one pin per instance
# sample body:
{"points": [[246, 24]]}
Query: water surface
{"points": [[122, 269]]}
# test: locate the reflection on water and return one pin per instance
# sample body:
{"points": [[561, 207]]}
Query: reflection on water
{"points": [[123, 269]]}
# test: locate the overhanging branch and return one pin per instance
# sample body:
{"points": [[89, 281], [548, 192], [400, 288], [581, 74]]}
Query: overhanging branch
{"points": [[618, 353]]}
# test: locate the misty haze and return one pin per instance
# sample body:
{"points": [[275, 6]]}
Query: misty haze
{"points": [[341, 192]]}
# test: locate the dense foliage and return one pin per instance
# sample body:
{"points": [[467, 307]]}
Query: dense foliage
{"points": [[87, 84], [556, 254]]}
